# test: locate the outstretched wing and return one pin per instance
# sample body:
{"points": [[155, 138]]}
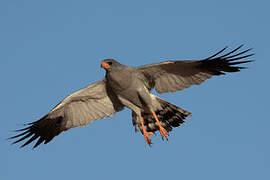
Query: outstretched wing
{"points": [[93, 102], [171, 76]]}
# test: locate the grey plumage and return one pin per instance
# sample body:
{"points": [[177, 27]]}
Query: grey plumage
{"points": [[126, 86], [171, 76], [78, 109]]}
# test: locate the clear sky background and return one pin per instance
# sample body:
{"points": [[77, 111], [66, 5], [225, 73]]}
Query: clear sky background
{"points": [[50, 49]]}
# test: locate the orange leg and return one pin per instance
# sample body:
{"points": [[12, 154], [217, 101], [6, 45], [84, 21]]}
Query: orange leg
{"points": [[145, 133], [162, 131]]}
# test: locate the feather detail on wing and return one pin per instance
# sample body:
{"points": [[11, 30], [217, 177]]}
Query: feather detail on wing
{"points": [[171, 76], [93, 102]]}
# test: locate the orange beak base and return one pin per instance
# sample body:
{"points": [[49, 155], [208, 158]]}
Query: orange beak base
{"points": [[105, 65]]}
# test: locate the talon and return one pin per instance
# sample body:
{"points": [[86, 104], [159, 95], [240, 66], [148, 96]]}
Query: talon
{"points": [[145, 133], [163, 132], [147, 138]]}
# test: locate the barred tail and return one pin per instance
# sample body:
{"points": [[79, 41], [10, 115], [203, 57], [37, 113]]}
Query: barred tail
{"points": [[169, 115]]}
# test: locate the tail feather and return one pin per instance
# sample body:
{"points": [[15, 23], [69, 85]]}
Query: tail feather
{"points": [[169, 115]]}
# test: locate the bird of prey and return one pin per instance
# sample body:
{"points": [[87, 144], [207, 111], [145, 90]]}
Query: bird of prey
{"points": [[126, 86]]}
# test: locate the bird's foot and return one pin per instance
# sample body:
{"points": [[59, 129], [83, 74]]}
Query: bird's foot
{"points": [[145, 133], [163, 132], [147, 138]]}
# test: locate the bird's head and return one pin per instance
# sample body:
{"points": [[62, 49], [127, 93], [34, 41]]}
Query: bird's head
{"points": [[109, 64]]}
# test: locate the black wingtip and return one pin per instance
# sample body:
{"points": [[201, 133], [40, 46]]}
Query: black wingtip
{"points": [[219, 65], [240, 57], [13, 137], [44, 129], [241, 62], [23, 129], [219, 52], [30, 140], [231, 52], [226, 56], [236, 56], [40, 140]]}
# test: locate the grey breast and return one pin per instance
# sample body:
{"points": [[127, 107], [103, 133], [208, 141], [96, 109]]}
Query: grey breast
{"points": [[125, 83]]}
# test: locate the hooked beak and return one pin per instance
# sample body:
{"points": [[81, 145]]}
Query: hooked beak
{"points": [[105, 65]]}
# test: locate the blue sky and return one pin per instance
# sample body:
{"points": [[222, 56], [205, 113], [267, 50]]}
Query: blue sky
{"points": [[50, 49]]}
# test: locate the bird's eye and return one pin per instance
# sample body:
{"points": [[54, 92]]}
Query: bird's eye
{"points": [[110, 63]]}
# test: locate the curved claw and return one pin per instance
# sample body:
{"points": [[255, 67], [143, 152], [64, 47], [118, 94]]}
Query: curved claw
{"points": [[147, 138], [145, 133], [163, 132]]}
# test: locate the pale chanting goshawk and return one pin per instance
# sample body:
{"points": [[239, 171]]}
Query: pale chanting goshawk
{"points": [[126, 86]]}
